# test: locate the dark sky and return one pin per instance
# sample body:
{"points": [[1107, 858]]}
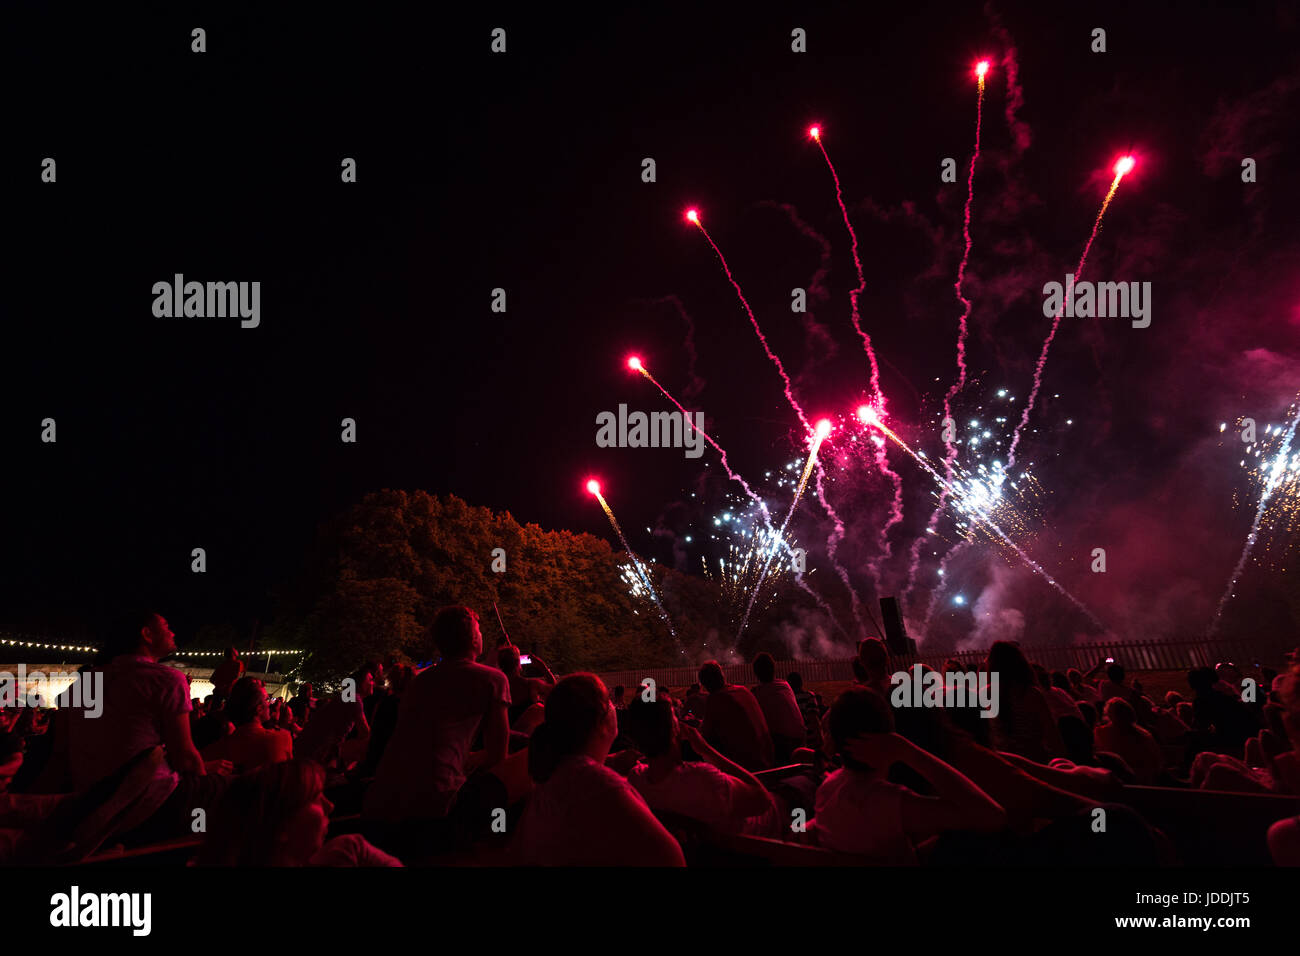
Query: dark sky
{"points": [[523, 171]]}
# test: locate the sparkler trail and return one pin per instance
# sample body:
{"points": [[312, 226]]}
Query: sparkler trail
{"points": [[869, 417], [1122, 168], [1277, 473], [950, 449], [823, 429], [593, 486], [882, 459]]}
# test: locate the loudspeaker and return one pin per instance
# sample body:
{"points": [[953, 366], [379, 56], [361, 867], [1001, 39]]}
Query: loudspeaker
{"points": [[895, 636]]}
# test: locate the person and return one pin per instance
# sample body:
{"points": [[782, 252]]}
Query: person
{"points": [[1284, 842], [1024, 724], [251, 745], [1228, 678], [1055, 689], [525, 692], [1120, 734], [713, 789], [384, 721], [695, 702], [381, 691], [279, 816], [210, 726], [810, 706], [776, 699], [429, 760], [733, 721], [11, 758], [225, 674], [1114, 685], [581, 813], [1224, 721], [1080, 689], [146, 705], [302, 704], [859, 811], [873, 658], [323, 739]]}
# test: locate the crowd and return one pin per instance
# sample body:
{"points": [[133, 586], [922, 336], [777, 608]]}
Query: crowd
{"points": [[466, 761]]}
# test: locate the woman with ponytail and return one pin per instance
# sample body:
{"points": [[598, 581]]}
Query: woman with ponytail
{"points": [[581, 813]]}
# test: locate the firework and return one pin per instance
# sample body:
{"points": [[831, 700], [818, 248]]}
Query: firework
{"points": [[882, 460], [642, 573], [693, 216], [1122, 168], [981, 69], [636, 365], [823, 429], [950, 450], [1279, 500], [774, 540], [738, 575], [977, 504]]}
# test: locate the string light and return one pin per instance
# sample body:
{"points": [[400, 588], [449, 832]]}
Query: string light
{"points": [[39, 645], [17, 641], [223, 653]]}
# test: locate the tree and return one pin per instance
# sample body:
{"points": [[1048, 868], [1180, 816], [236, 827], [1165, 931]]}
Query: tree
{"points": [[380, 571]]}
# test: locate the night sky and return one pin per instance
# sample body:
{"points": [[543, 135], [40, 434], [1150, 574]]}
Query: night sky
{"points": [[523, 171]]}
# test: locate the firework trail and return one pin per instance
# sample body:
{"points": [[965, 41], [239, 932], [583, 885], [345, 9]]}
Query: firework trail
{"points": [[869, 417], [816, 135], [778, 541], [817, 338], [950, 449], [882, 459], [832, 545], [962, 329], [636, 365], [1122, 168], [593, 486], [823, 429], [694, 217], [1277, 473]]}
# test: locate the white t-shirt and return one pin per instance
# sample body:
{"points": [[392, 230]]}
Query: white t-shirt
{"points": [[780, 709], [141, 697], [862, 813], [587, 815], [703, 792], [423, 767], [1062, 704]]}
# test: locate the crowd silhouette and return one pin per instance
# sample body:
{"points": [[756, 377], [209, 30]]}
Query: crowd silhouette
{"points": [[504, 763]]}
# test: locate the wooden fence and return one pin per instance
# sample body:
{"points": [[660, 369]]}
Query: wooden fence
{"points": [[1133, 655]]}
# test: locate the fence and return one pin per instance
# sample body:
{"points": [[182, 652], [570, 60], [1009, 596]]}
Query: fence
{"points": [[1133, 655]]}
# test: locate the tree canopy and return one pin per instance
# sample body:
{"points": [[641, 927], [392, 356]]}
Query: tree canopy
{"points": [[380, 571]]}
